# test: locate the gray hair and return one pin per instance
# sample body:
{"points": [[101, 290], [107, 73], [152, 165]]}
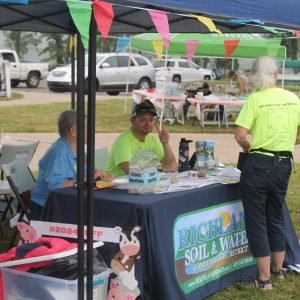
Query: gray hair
{"points": [[263, 75], [65, 121]]}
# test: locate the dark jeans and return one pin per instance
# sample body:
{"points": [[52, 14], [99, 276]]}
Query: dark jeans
{"points": [[264, 185]]}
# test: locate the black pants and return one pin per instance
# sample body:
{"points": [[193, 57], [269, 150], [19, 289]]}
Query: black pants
{"points": [[264, 184]]}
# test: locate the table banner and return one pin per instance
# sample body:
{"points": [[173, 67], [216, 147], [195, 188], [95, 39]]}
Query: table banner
{"points": [[209, 245]]}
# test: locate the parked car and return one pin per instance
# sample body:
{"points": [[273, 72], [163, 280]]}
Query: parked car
{"points": [[217, 72], [112, 74], [30, 73], [180, 70]]}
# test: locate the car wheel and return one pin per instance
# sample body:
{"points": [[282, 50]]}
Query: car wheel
{"points": [[207, 77], [144, 84], [33, 80], [113, 93], [14, 83], [176, 78]]}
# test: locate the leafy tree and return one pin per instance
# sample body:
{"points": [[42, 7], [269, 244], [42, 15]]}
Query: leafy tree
{"points": [[57, 48], [20, 41], [106, 45]]}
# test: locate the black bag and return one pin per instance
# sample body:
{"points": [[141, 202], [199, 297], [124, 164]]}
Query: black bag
{"points": [[242, 159]]}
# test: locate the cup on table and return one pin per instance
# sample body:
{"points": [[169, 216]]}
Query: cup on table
{"points": [[199, 95]]}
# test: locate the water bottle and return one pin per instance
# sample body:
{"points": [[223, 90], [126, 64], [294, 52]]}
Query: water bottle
{"points": [[184, 154]]}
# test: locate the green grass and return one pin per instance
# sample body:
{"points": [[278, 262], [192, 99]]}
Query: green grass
{"points": [[110, 117], [14, 96]]}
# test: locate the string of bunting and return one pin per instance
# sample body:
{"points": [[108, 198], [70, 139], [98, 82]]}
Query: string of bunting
{"points": [[81, 12]]}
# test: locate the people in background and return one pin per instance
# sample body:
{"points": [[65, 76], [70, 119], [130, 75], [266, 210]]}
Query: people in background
{"points": [[139, 138], [272, 116], [240, 82], [57, 168]]}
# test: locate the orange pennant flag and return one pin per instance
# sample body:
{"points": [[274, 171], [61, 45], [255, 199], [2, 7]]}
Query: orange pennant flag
{"points": [[230, 46], [103, 14]]}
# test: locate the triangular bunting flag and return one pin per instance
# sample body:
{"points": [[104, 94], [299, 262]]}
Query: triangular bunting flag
{"points": [[297, 33], [230, 46], [72, 43], [208, 23], [158, 47], [271, 29], [103, 14], [81, 15], [191, 46], [122, 43], [160, 20]]}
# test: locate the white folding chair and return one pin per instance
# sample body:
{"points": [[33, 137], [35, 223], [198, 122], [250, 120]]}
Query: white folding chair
{"points": [[230, 111], [101, 157], [216, 119], [8, 154]]}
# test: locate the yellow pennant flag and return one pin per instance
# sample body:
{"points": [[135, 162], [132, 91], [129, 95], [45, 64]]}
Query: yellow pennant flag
{"points": [[158, 46], [207, 22]]}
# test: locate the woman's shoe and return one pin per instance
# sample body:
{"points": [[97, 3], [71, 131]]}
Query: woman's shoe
{"points": [[265, 285], [278, 274]]}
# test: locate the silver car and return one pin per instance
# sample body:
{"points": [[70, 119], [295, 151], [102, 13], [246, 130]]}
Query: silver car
{"points": [[113, 72]]}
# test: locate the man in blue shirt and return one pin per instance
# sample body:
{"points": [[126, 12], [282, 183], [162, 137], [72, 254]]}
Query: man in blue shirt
{"points": [[57, 168]]}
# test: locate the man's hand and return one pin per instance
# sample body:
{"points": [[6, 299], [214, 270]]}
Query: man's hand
{"points": [[103, 175], [164, 136]]}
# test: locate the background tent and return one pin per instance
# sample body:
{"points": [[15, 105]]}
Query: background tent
{"points": [[212, 45]]}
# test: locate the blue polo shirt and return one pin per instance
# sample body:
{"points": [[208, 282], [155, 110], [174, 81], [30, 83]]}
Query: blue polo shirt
{"points": [[57, 165]]}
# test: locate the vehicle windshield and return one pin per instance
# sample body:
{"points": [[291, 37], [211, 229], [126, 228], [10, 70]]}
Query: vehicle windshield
{"points": [[99, 57]]}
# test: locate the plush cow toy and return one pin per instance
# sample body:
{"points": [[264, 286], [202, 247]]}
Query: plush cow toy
{"points": [[28, 233]]}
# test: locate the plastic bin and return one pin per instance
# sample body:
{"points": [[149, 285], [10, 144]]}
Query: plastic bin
{"points": [[19, 285]]}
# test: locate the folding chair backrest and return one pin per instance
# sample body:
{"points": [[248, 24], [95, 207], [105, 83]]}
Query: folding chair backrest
{"points": [[11, 152], [101, 157], [19, 175]]}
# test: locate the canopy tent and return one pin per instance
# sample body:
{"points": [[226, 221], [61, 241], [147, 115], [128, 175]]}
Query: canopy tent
{"points": [[212, 45], [131, 17]]}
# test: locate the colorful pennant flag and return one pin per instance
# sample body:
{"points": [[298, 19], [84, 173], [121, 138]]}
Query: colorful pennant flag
{"points": [[245, 21], [191, 46], [160, 20], [103, 14], [230, 46], [122, 43], [158, 47], [207, 22], [297, 33], [81, 14], [72, 43]]}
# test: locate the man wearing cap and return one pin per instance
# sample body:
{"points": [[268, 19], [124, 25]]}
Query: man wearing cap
{"points": [[139, 138]]}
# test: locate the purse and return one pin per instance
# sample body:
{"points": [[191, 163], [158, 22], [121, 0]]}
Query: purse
{"points": [[242, 159]]}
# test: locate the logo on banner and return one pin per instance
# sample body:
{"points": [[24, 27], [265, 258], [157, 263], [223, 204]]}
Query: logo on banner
{"points": [[210, 243]]}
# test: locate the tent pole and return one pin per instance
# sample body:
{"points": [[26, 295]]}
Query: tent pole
{"points": [[162, 111], [127, 78], [91, 109], [80, 165]]}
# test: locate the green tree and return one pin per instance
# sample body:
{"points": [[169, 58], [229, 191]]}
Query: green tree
{"points": [[20, 41], [57, 48], [292, 46]]}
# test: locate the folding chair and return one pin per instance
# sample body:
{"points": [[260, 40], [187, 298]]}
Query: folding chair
{"points": [[216, 120], [101, 157], [20, 180], [230, 111], [9, 153]]}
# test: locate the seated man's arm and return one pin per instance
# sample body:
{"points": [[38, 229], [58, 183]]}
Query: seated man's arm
{"points": [[125, 166]]}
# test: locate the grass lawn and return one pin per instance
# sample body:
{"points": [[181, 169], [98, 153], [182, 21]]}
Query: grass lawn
{"points": [[14, 96], [110, 118]]}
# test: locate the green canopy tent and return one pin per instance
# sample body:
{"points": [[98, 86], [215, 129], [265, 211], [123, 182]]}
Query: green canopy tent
{"points": [[212, 45]]}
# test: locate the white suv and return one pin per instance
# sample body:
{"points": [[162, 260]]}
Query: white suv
{"points": [[180, 70], [112, 74]]}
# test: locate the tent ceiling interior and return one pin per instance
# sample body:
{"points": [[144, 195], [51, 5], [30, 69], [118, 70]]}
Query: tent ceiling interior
{"points": [[53, 15], [212, 45]]}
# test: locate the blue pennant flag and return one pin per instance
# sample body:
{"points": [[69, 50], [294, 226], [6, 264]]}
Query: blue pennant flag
{"points": [[16, 1], [244, 21], [122, 43]]}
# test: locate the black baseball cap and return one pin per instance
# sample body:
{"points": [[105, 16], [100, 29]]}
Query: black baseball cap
{"points": [[205, 85], [145, 107]]}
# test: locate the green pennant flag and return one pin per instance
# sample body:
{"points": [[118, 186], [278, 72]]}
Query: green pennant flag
{"points": [[81, 14], [271, 29]]}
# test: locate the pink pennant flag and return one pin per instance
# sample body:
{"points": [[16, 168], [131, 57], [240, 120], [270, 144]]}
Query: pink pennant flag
{"points": [[160, 20], [230, 46], [191, 46], [104, 14], [297, 33]]}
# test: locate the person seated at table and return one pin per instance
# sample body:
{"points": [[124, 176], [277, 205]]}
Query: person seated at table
{"points": [[138, 137], [57, 168], [240, 82]]}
